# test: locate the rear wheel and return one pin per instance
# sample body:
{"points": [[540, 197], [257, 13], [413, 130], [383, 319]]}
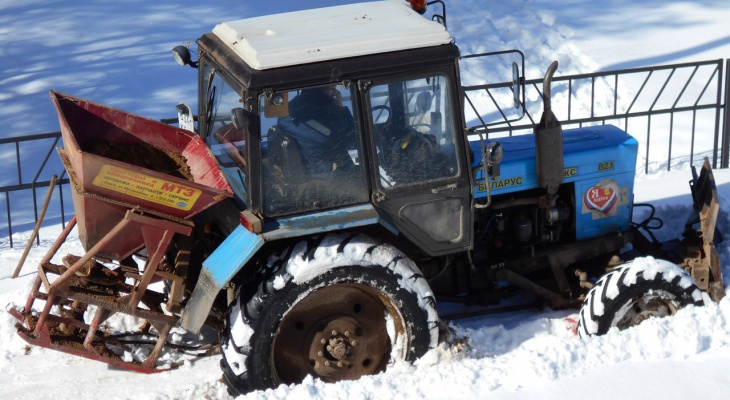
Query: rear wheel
{"points": [[337, 309], [634, 292]]}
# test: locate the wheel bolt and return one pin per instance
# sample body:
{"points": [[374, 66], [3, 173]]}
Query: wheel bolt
{"points": [[353, 343], [321, 354], [326, 363], [334, 333], [323, 341], [347, 333]]}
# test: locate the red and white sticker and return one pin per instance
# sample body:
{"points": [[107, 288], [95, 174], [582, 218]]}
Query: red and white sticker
{"points": [[604, 198], [601, 198]]}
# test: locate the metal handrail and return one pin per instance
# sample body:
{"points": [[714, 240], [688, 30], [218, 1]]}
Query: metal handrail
{"points": [[670, 86]]}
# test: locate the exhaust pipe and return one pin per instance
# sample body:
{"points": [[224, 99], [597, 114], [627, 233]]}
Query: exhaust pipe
{"points": [[549, 143]]}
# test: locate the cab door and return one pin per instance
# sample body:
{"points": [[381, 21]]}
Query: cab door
{"points": [[419, 171]]}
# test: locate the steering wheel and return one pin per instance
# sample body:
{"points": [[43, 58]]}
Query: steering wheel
{"points": [[381, 108]]}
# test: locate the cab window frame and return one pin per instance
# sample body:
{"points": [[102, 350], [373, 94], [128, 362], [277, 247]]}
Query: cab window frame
{"points": [[450, 120], [359, 142], [206, 63]]}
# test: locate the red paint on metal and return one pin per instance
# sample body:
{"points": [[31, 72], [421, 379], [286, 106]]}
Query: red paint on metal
{"points": [[99, 207], [120, 209]]}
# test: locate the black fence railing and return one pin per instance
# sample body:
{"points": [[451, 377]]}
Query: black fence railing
{"points": [[675, 110], [681, 105], [25, 182]]}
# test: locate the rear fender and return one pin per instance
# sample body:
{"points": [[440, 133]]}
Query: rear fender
{"points": [[241, 246]]}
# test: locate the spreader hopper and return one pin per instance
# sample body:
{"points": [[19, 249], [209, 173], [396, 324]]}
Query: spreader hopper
{"points": [[119, 161]]}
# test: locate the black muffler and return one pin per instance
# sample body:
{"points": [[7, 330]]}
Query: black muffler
{"points": [[549, 143]]}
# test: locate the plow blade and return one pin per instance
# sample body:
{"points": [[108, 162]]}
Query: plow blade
{"points": [[695, 251], [703, 260]]}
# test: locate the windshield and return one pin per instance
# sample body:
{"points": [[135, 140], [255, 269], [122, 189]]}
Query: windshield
{"points": [[227, 143], [310, 150]]}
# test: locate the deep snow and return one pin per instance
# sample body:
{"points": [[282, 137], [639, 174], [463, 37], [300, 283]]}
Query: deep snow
{"points": [[118, 52]]}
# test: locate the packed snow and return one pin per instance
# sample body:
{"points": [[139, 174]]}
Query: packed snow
{"points": [[117, 53]]}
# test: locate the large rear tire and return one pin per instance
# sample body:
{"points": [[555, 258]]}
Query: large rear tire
{"points": [[336, 308], [635, 291]]}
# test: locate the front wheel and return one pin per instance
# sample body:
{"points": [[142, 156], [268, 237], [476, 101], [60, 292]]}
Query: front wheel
{"points": [[336, 309], [634, 292]]}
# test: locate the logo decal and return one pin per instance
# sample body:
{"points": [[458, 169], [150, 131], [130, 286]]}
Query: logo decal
{"points": [[604, 199], [502, 184], [146, 187], [600, 198]]}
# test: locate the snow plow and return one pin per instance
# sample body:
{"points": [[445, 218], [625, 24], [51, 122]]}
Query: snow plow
{"points": [[326, 197]]}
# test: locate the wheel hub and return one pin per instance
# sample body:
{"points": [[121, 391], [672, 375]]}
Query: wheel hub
{"points": [[334, 350], [644, 308], [338, 346], [335, 333]]}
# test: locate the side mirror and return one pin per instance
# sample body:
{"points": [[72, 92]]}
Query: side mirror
{"points": [[182, 56], [185, 117], [497, 94], [494, 153], [239, 118], [516, 84]]}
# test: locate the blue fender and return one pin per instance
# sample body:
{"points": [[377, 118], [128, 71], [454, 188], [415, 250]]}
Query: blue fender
{"points": [[238, 248], [241, 246]]}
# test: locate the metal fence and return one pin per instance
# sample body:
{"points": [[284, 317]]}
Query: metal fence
{"points": [[21, 191], [677, 111], [681, 105]]}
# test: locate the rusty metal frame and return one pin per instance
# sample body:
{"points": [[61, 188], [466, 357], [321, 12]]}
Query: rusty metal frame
{"points": [[46, 329]]}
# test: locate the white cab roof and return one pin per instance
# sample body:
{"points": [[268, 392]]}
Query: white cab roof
{"points": [[330, 33]]}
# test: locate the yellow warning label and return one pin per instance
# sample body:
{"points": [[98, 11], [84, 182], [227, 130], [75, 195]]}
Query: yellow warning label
{"points": [[146, 187]]}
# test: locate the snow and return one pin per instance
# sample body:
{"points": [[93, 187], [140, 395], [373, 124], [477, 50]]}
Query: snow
{"points": [[119, 52]]}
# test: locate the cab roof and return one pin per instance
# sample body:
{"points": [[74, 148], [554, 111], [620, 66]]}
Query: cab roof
{"points": [[330, 33]]}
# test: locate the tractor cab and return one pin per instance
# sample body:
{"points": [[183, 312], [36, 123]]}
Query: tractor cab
{"points": [[303, 121]]}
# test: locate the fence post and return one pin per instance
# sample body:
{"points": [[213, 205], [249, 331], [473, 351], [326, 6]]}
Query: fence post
{"points": [[726, 119]]}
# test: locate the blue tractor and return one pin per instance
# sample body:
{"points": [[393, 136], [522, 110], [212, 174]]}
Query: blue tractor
{"points": [[363, 202], [359, 200]]}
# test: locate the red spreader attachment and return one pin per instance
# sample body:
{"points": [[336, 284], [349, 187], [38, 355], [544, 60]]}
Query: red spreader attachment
{"points": [[118, 161], [138, 183]]}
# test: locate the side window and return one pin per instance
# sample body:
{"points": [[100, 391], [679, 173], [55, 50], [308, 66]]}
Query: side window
{"points": [[311, 150], [220, 99], [414, 136], [227, 143]]}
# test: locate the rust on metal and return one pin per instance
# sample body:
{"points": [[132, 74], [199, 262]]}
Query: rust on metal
{"points": [[701, 258], [335, 333], [121, 208], [37, 227]]}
